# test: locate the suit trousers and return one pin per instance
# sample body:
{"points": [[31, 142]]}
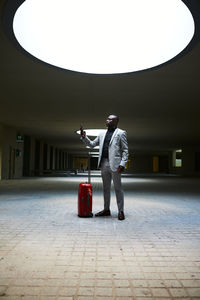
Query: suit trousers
{"points": [[108, 175]]}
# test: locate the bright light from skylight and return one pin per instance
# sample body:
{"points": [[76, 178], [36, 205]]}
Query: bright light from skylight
{"points": [[97, 147], [104, 36], [92, 132]]}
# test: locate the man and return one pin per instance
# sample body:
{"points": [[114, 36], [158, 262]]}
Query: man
{"points": [[113, 155]]}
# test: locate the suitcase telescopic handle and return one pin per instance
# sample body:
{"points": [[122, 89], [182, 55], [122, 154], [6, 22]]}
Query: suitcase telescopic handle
{"points": [[89, 171]]}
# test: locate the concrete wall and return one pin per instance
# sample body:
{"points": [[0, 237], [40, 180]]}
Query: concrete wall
{"points": [[190, 165], [144, 162], [141, 163], [12, 163]]}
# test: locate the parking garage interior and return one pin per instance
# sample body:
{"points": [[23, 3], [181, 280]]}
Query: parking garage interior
{"points": [[46, 251]]}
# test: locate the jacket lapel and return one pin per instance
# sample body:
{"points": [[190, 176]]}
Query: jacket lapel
{"points": [[102, 137], [114, 134]]}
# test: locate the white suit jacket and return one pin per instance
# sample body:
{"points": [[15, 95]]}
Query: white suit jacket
{"points": [[117, 151]]}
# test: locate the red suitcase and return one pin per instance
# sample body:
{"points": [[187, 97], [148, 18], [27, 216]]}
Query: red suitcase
{"points": [[85, 200], [85, 196]]}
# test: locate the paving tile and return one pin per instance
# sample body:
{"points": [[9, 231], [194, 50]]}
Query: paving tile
{"points": [[142, 292], [90, 275], [137, 276], [69, 282], [23, 290], [191, 283], [120, 275], [172, 283], [28, 282], [105, 298], [160, 292], [49, 291], [5, 281], [178, 292], [139, 283], [3, 290], [187, 275], [66, 298], [11, 298], [121, 283], [103, 283], [123, 292], [147, 298], [54, 282], [169, 276], [166, 298], [124, 298], [156, 283], [193, 292], [106, 291], [83, 298], [86, 291], [155, 276], [87, 282], [67, 291], [42, 297]]}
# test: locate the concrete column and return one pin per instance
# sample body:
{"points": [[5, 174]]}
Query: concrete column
{"points": [[19, 160], [0, 160], [63, 160], [60, 160], [32, 157], [188, 161], [53, 164], [57, 159], [66, 162], [70, 161], [1, 141], [48, 157], [41, 158]]}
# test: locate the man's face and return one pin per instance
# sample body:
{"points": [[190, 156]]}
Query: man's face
{"points": [[111, 121]]}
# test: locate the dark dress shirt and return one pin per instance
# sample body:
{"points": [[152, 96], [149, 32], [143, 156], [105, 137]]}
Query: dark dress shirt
{"points": [[108, 137]]}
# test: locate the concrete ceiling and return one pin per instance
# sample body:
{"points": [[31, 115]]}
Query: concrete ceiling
{"points": [[159, 108]]}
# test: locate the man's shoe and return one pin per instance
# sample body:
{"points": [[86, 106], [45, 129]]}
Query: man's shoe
{"points": [[121, 216], [103, 213]]}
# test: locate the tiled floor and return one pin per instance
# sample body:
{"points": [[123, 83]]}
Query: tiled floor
{"points": [[47, 252]]}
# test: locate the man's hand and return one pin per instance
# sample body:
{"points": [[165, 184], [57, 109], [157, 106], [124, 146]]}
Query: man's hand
{"points": [[83, 133], [120, 169]]}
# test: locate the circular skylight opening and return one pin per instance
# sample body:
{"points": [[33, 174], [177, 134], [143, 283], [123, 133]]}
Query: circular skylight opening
{"points": [[104, 36]]}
